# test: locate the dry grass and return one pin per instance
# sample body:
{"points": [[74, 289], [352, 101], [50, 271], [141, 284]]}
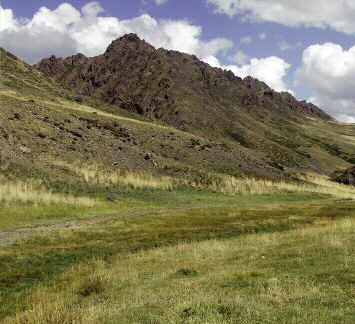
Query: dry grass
{"points": [[99, 175], [219, 183], [249, 186], [32, 191]]}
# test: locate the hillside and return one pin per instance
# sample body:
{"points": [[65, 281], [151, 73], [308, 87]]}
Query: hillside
{"points": [[43, 121], [272, 129]]}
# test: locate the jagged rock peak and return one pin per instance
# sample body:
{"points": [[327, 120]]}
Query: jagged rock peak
{"points": [[128, 40], [170, 85], [130, 37]]}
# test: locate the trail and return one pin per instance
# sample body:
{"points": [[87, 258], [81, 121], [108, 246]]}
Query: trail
{"points": [[24, 233], [9, 237], [20, 234]]}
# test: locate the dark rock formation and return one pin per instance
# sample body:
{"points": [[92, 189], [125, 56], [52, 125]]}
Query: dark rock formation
{"points": [[347, 177]]}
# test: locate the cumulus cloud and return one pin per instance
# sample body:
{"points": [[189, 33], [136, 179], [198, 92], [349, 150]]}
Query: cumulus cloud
{"points": [[246, 40], [67, 30], [7, 19], [239, 57], [335, 14], [271, 70], [328, 71]]}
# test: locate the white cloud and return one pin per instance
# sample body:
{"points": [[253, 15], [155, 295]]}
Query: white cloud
{"points": [[271, 70], [36, 38], [246, 40], [160, 2], [335, 14], [66, 30], [328, 71], [262, 36], [239, 57], [285, 46], [6, 18]]}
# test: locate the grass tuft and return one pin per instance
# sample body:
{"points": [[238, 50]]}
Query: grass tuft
{"points": [[99, 175], [31, 191], [186, 272], [92, 285]]}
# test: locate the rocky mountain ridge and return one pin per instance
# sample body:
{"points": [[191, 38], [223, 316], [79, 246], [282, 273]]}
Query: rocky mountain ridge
{"points": [[172, 86]]}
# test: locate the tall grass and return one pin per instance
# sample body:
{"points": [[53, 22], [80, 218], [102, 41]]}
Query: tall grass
{"points": [[214, 182], [250, 186], [99, 175], [32, 191]]}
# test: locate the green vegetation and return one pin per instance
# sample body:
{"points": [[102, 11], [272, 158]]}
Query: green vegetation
{"points": [[41, 265], [304, 275], [80, 268]]}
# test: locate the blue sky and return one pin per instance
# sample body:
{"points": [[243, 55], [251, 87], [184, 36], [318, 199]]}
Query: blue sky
{"points": [[293, 33]]}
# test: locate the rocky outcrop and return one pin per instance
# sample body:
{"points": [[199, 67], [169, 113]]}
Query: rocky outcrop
{"points": [[347, 177]]}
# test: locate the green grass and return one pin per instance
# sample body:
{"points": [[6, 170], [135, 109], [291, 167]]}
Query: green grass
{"points": [[141, 220], [302, 275], [14, 216], [121, 201]]}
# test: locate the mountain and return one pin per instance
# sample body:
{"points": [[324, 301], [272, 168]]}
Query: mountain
{"points": [[145, 109], [173, 87]]}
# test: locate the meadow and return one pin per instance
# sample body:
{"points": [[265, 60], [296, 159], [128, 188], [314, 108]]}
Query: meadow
{"points": [[136, 248]]}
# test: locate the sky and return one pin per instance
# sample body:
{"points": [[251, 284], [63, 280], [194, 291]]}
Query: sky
{"points": [[303, 47]]}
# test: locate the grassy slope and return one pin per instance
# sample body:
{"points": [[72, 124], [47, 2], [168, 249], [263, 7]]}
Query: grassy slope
{"points": [[81, 132], [195, 90]]}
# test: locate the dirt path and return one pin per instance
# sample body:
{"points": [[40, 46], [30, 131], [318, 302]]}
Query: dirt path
{"points": [[9, 237], [20, 234]]}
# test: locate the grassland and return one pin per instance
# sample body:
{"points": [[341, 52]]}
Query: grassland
{"points": [[67, 242], [304, 275], [176, 255]]}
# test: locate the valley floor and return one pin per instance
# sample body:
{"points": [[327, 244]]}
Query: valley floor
{"points": [[154, 256]]}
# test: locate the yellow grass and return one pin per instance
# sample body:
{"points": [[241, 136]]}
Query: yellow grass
{"points": [[99, 175], [249, 186], [34, 192], [311, 183]]}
